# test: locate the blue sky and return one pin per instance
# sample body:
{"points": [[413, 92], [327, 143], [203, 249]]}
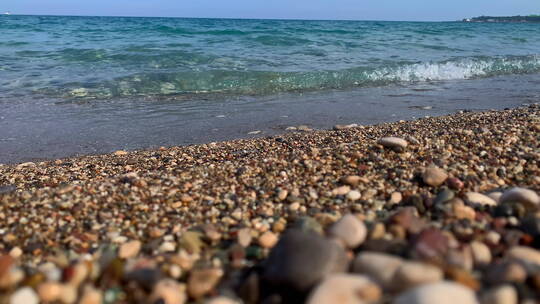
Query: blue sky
{"points": [[427, 10]]}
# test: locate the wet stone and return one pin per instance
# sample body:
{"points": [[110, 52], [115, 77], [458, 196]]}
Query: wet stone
{"points": [[440, 293], [346, 289], [300, 259], [350, 230], [380, 267], [434, 176], [393, 142]]}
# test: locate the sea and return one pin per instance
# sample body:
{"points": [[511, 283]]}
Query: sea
{"points": [[87, 85]]}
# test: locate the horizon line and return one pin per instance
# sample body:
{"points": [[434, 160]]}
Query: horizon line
{"points": [[228, 18]]}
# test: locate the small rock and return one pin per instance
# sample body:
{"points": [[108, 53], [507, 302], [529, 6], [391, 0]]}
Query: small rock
{"points": [[478, 198], [525, 254], [244, 237], [49, 292], [191, 241], [202, 281], [129, 250], [254, 132], [496, 196], [505, 294], [444, 196], [381, 267], [454, 183], [351, 180], [345, 289], [343, 190], [412, 274], [395, 198], [24, 295], [434, 176], [393, 142], [268, 239], [167, 247], [168, 291], [462, 211], [120, 153], [350, 230], [25, 165], [15, 252], [68, 295], [282, 195], [505, 272], [304, 128], [431, 244], [527, 197], [221, 300], [300, 259], [354, 195], [344, 127], [481, 253], [440, 293], [90, 295], [307, 224]]}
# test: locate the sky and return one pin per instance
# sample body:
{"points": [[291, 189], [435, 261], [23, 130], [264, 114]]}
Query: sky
{"points": [[410, 10]]}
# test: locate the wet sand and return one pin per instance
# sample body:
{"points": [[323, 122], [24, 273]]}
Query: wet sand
{"points": [[307, 216]]}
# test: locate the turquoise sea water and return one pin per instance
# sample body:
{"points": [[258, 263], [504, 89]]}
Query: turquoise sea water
{"points": [[107, 58], [71, 85]]}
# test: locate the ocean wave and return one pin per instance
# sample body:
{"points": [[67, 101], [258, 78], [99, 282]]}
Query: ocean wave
{"points": [[268, 82]]}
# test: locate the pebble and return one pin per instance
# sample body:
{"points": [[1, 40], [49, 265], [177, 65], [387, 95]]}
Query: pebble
{"points": [[202, 281], [344, 127], [268, 239], [381, 267], [129, 250], [15, 252], [505, 294], [439, 293], [395, 198], [244, 237], [24, 295], [481, 254], [221, 300], [505, 272], [49, 292], [393, 142], [455, 183], [120, 153], [462, 211], [431, 244], [412, 274], [343, 190], [350, 230], [345, 289], [434, 176], [527, 197], [167, 247], [525, 254], [351, 180], [90, 295], [69, 294], [168, 291], [479, 198], [300, 259], [354, 195]]}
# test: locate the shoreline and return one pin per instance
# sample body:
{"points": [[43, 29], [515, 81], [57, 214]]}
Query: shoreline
{"points": [[49, 130], [277, 217]]}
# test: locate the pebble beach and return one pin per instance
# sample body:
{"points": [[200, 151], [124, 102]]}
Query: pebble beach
{"points": [[433, 210]]}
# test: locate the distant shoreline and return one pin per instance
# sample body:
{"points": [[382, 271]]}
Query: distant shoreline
{"points": [[505, 19]]}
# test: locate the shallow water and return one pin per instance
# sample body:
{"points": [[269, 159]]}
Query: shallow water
{"points": [[71, 85]]}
